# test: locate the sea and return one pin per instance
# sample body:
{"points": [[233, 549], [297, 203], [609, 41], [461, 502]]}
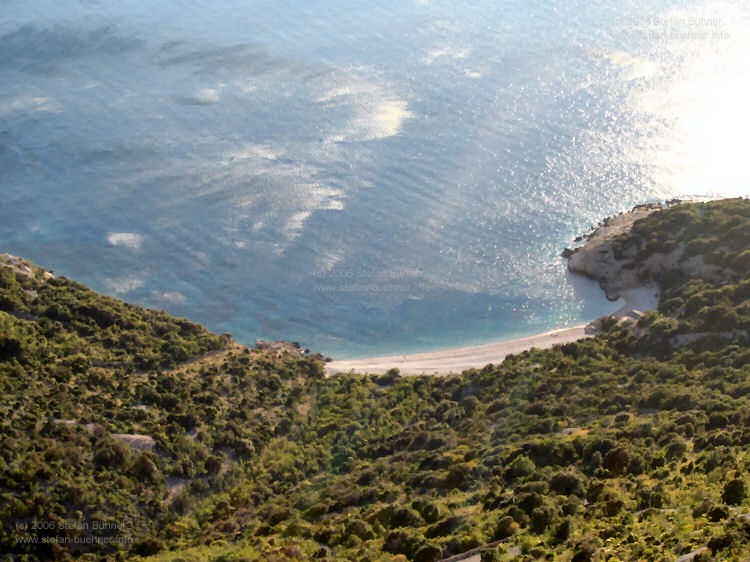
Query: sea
{"points": [[362, 177]]}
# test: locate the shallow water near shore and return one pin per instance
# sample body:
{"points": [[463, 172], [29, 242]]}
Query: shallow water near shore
{"points": [[363, 178]]}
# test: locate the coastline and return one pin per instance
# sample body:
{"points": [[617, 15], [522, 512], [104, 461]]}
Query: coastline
{"points": [[455, 360], [458, 359], [595, 259]]}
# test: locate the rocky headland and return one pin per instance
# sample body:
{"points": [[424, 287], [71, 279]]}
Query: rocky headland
{"points": [[619, 275]]}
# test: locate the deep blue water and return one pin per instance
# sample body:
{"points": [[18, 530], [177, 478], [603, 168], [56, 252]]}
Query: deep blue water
{"points": [[363, 177]]}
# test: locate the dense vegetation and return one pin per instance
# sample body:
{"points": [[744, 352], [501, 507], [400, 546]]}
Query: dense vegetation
{"points": [[631, 445]]}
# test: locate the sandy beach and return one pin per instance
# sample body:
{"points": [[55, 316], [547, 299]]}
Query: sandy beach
{"points": [[456, 360]]}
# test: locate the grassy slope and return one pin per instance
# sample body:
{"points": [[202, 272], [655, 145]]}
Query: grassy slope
{"points": [[632, 444]]}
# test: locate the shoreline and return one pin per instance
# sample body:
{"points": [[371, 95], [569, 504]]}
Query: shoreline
{"points": [[595, 259], [458, 359]]}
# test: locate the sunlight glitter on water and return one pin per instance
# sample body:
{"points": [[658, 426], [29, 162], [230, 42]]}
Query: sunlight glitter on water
{"points": [[212, 159], [698, 100]]}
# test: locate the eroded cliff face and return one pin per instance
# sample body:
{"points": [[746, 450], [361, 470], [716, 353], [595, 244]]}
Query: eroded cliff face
{"points": [[597, 258]]}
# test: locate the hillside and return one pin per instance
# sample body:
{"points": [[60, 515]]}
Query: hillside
{"points": [[630, 445]]}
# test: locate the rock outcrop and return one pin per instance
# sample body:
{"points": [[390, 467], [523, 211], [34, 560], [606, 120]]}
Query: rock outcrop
{"points": [[597, 259]]}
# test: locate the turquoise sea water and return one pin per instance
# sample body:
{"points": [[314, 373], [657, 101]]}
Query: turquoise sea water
{"points": [[364, 177]]}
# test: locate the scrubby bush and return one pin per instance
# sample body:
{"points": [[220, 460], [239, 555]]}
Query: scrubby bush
{"points": [[734, 492]]}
